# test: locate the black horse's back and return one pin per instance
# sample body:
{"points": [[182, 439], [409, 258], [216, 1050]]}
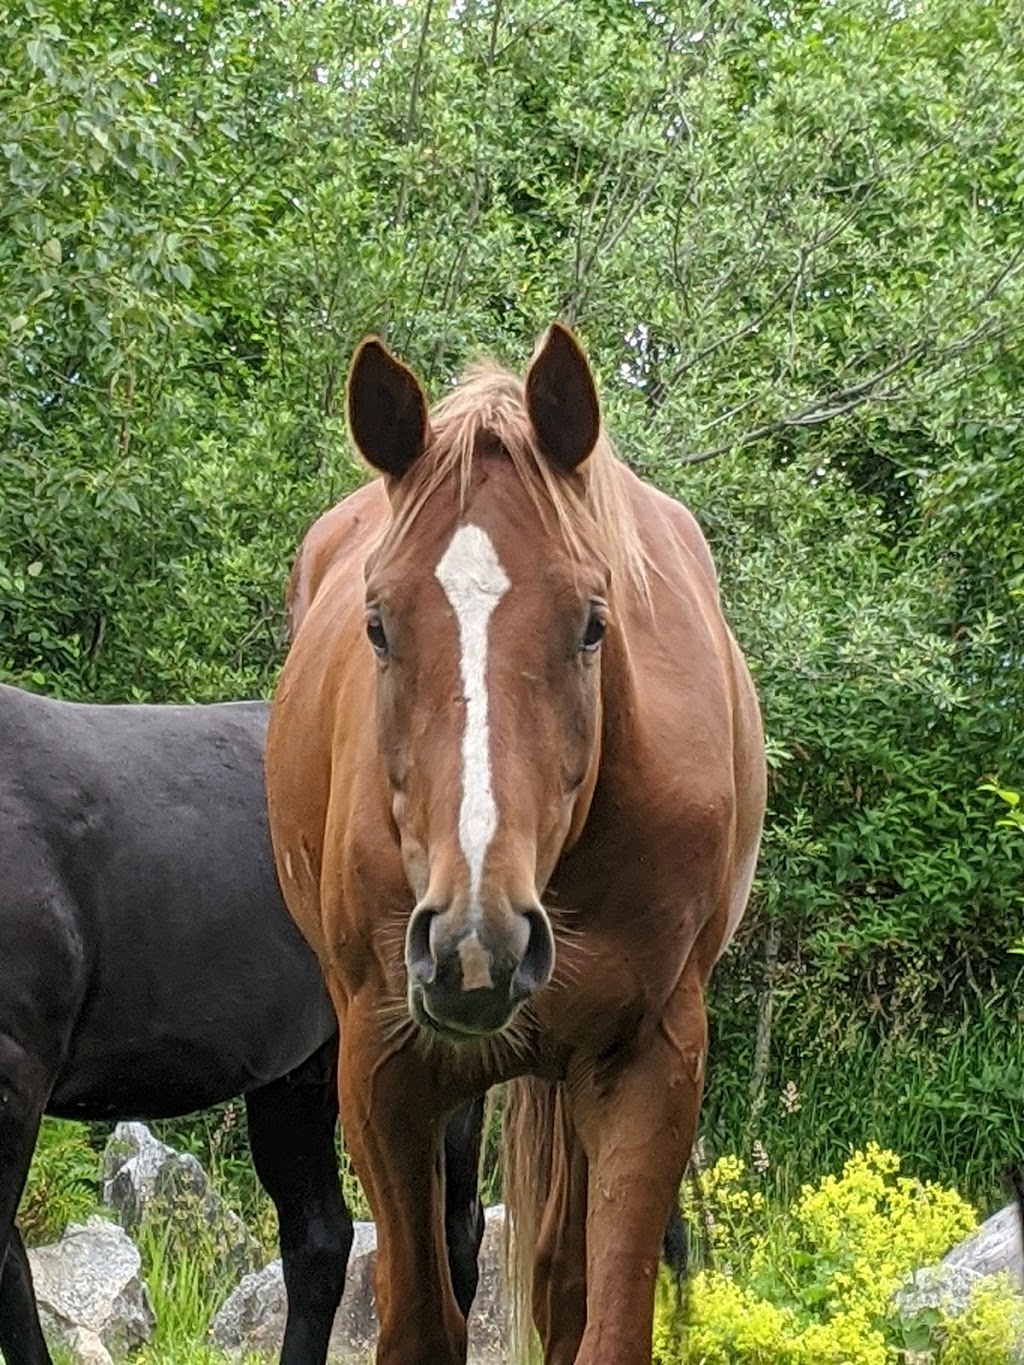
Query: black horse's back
{"points": [[148, 967]]}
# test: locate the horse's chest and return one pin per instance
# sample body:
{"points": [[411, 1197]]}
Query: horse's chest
{"points": [[611, 972], [627, 907]]}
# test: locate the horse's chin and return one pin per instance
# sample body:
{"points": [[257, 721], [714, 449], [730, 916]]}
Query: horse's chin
{"points": [[454, 1031]]}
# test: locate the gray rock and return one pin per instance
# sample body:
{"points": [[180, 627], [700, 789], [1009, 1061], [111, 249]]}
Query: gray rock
{"points": [[995, 1248], [252, 1318], [128, 1170], [86, 1348], [490, 1318], [90, 1292], [144, 1178], [354, 1333], [936, 1286]]}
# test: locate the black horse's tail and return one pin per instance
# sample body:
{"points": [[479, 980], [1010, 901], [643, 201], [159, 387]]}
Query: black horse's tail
{"points": [[1015, 1179], [677, 1259], [675, 1249]]}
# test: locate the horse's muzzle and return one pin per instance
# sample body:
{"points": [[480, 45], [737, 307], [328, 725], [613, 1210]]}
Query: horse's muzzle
{"points": [[466, 978]]}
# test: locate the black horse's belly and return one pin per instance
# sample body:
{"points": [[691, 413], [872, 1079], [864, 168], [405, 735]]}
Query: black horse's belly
{"points": [[178, 1076], [193, 1009], [152, 1086]]}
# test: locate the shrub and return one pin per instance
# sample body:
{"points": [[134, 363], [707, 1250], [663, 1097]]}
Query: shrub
{"points": [[814, 1284], [61, 1185]]}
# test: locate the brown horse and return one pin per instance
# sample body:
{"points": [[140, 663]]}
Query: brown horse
{"points": [[516, 783]]}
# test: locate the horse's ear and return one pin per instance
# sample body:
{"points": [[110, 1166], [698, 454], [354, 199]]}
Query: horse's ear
{"points": [[562, 401], [387, 412]]}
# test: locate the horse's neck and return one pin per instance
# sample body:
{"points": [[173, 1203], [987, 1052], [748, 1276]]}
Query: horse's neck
{"points": [[621, 709]]}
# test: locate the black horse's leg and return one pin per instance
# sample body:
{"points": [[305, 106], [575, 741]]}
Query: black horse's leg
{"points": [[24, 1087], [41, 987], [21, 1337], [291, 1133], [463, 1211], [292, 1124]]}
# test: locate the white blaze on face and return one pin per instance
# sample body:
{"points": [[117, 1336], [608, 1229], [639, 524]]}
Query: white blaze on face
{"points": [[474, 583]]}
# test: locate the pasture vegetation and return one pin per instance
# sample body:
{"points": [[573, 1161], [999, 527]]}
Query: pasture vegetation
{"points": [[792, 240], [808, 1283]]}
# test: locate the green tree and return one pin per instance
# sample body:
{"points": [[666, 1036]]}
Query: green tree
{"points": [[792, 239]]}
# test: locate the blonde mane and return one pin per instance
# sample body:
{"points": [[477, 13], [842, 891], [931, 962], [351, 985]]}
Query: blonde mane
{"points": [[590, 508]]}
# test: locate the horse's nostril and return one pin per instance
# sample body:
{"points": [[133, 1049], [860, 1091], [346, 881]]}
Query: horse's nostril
{"points": [[538, 962], [419, 957]]}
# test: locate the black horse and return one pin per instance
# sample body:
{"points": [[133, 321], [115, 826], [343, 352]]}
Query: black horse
{"points": [[148, 968]]}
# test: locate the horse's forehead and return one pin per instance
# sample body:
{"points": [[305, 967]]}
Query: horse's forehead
{"points": [[475, 544], [470, 572]]}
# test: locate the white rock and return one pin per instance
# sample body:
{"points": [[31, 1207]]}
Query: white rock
{"points": [[90, 1280]]}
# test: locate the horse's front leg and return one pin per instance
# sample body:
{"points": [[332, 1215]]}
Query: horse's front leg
{"points": [[636, 1121], [392, 1114]]}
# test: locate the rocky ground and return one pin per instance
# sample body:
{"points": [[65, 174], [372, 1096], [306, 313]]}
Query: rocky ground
{"points": [[94, 1303]]}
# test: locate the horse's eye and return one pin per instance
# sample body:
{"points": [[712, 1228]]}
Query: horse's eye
{"points": [[594, 633], [375, 633]]}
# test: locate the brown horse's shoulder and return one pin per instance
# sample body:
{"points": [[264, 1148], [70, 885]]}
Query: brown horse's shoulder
{"points": [[335, 535], [673, 712]]}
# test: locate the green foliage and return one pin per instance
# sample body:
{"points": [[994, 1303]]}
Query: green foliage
{"points": [[187, 1283], [873, 970], [1014, 817], [61, 1186], [191, 1353], [150, 499], [814, 1283], [355, 1198], [792, 240], [950, 1089]]}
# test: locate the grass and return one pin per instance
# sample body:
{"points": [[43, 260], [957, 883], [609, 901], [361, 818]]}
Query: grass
{"points": [[187, 1285], [191, 1355], [947, 1094]]}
